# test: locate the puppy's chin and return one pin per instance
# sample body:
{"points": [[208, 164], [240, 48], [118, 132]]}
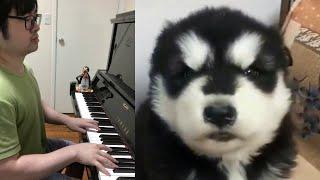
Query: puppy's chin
{"points": [[221, 136]]}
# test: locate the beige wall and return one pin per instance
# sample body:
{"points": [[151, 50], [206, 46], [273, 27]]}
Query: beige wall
{"points": [[126, 5]]}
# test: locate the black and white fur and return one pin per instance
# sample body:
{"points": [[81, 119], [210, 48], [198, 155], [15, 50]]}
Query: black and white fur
{"points": [[216, 58]]}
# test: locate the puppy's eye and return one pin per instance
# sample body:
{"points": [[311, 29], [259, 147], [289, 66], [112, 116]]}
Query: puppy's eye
{"points": [[252, 72]]}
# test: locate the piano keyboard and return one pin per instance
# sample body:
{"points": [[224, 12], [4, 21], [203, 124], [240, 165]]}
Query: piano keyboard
{"points": [[90, 108]]}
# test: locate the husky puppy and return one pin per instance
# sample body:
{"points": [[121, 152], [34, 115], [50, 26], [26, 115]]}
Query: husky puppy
{"points": [[218, 106]]}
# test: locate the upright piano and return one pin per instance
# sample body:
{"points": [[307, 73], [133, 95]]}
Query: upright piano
{"points": [[112, 102]]}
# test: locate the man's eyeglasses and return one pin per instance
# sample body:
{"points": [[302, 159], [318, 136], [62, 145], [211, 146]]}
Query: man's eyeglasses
{"points": [[29, 21]]}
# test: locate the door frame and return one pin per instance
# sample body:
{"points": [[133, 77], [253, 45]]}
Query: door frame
{"points": [[54, 52]]}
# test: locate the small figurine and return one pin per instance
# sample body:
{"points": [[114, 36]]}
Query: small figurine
{"points": [[84, 81], [310, 101]]}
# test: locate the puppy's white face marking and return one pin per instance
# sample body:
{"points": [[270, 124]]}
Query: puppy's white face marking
{"points": [[272, 173], [194, 50], [259, 115], [243, 51]]}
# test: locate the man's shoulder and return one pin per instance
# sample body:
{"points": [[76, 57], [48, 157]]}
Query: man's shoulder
{"points": [[6, 87], [4, 81]]}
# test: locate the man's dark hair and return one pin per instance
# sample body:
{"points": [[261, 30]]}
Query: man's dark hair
{"points": [[22, 7]]}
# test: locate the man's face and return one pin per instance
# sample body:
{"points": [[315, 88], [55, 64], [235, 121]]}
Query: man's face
{"points": [[21, 41]]}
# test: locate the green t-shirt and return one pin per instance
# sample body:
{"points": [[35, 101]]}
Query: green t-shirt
{"points": [[21, 115]]}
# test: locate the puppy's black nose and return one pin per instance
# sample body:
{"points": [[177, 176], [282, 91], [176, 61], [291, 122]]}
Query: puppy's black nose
{"points": [[220, 116]]}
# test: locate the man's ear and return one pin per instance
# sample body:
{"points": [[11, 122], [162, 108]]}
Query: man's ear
{"points": [[288, 57]]}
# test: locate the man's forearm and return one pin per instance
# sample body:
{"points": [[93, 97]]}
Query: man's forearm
{"points": [[38, 166], [54, 117]]}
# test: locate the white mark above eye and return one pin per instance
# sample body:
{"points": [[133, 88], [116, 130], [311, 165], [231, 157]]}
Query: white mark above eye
{"points": [[195, 50], [243, 51]]}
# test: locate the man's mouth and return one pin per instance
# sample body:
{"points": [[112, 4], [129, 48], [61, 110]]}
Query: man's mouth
{"points": [[36, 37], [222, 136]]}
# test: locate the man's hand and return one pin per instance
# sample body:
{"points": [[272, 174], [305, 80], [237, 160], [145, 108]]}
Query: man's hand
{"points": [[95, 155], [81, 125]]}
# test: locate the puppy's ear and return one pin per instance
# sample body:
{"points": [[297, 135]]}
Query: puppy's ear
{"points": [[288, 57]]}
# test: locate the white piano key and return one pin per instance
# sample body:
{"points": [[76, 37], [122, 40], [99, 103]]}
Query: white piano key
{"points": [[112, 174], [107, 126], [93, 137], [113, 177]]}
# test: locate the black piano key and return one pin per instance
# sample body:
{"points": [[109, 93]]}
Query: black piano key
{"points": [[123, 170], [98, 115], [93, 104], [89, 99], [102, 119], [125, 178], [88, 94], [105, 123], [119, 149], [124, 164], [122, 151], [111, 139], [125, 160], [108, 141], [119, 153], [107, 130], [107, 136], [112, 143], [95, 109]]}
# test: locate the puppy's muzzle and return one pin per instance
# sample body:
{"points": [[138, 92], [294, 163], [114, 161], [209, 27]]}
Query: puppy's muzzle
{"points": [[220, 116]]}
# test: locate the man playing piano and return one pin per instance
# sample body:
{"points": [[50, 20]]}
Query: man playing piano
{"points": [[25, 152]]}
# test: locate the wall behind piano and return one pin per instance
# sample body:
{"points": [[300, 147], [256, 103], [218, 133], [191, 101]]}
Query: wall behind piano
{"points": [[126, 5], [44, 60], [151, 16]]}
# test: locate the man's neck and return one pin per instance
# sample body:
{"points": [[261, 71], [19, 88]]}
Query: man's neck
{"points": [[12, 63]]}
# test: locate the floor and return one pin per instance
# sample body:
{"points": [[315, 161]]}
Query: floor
{"points": [[308, 159], [61, 131], [309, 149]]}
